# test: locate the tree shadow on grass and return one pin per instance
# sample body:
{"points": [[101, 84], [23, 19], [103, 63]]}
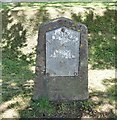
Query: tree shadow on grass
{"points": [[111, 89], [99, 105], [18, 78], [15, 64], [101, 55], [101, 38], [105, 101]]}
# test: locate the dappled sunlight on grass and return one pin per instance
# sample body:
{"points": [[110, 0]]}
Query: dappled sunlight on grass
{"points": [[96, 77], [28, 85], [10, 108], [105, 98], [101, 28], [102, 91], [32, 68], [58, 4], [20, 32], [102, 105], [106, 107], [10, 113], [0, 82]]}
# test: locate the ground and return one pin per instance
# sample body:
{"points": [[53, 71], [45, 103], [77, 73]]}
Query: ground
{"points": [[20, 29]]}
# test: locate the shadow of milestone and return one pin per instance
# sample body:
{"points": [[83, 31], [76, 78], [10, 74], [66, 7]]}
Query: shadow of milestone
{"points": [[18, 78]]}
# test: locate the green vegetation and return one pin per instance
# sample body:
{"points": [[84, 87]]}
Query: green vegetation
{"points": [[18, 78], [101, 39], [59, 4], [111, 89]]}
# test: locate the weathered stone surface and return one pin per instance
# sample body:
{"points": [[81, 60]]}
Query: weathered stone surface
{"points": [[62, 86], [62, 52]]}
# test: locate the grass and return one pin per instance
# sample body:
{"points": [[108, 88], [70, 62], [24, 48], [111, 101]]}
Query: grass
{"points": [[18, 78], [59, 4], [101, 39]]}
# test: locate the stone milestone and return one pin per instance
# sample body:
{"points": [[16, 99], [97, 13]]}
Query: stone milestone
{"points": [[62, 61]]}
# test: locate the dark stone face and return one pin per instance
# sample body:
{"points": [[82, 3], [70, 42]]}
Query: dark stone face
{"points": [[62, 61]]}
